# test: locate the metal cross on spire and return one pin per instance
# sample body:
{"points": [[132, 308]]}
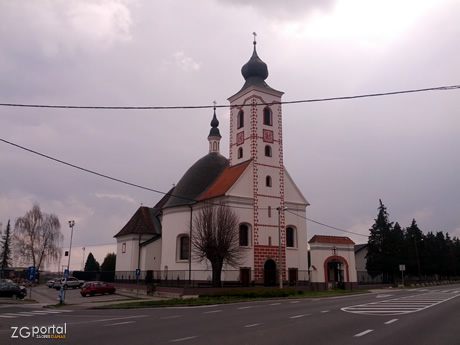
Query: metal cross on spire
{"points": [[214, 104], [255, 34]]}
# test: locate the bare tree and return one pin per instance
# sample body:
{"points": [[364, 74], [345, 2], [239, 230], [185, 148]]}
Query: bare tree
{"points": [[5, 249], [215, 238], [38, 238]]}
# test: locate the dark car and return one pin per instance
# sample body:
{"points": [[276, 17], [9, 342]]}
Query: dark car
{"points": [[10, 289], [96, 288]]}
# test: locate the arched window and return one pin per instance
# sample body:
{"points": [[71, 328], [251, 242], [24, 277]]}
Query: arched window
{"points": [[268, 151], [240, 152], [268, 181], [290, 237], [240, 119], [244, 235], [268, 117], [183, 247]]}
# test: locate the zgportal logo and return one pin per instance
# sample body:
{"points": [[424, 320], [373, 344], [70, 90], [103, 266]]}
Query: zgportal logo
{"points": [[42, 332]]}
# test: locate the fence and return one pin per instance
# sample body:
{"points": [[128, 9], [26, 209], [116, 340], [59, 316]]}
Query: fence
{"points": [[202, 278]]}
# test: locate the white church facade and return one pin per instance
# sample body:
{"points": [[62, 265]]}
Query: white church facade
{"points": [[253, 181]]}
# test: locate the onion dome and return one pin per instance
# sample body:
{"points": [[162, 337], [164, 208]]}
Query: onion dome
{"points": [[255, 67]]}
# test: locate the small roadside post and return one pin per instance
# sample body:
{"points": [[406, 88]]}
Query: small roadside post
{"points": [[402, 268], [31, 278], [138, 273], [62, 290]]}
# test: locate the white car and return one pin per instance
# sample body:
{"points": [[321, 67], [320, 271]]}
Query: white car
{"points": [[71, 282]]}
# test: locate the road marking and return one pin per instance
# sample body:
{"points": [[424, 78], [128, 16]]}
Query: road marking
{"points": [[22, 313], [249, 307], [253, 325], [363, 333], [275, 304], [117, 318], [403, 305], [391, 321], [183, 339], [8, 316], [212, 311], [170, 317], [383, 296], [119, 323], [294, 302], [297, 316], [325, 311]]}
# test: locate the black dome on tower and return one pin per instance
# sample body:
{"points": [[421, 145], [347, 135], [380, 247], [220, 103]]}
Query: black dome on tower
{"points": [[255, 67]]}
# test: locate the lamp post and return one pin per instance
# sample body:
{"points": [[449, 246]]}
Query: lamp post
{"points": [[279, 245], [83, 261], [71, 225]]}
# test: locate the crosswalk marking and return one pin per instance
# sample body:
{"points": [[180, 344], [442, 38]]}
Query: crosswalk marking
{"points": [[403, 305], [32, 313]]}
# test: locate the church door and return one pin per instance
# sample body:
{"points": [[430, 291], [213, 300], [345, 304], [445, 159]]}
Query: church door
{"points": [[270, 273]]}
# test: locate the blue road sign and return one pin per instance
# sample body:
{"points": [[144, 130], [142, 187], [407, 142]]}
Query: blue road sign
{"points": [[31, 274], [138, 272], [66, 273]]}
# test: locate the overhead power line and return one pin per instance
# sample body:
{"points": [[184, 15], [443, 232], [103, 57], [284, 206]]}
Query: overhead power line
{"points": [[142, 187], [391, 93]]}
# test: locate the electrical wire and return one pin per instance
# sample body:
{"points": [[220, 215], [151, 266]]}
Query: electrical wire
{"points": [[391, 93], [322, 224], [146, 188]]}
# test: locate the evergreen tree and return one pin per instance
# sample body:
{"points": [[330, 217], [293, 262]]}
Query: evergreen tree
{"points": [[108, 265], [416, 250], [379, 246], [5, 253], [91, 264]]}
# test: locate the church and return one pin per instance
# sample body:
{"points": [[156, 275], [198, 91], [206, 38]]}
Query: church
{"points": [[253, 181]]}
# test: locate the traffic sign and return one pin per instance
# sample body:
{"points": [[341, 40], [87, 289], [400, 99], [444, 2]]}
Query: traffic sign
{"points": [[66, 273], [138, 272], [31, 273]]}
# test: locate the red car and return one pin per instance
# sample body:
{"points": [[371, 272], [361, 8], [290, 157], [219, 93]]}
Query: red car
{"points": [[96, 288]]}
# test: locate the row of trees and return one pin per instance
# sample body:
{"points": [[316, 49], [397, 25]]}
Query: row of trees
{"points": [[37, 241], [431, 255]]}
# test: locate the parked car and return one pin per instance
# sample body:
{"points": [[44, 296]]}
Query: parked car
{"points": [[10, 289], [50, 283], [97, 288], [71, 282]]}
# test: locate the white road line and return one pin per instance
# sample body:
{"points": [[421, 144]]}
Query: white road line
{"points": [[8, 316], [22, 313], [119, 318], [294, 302], [212, 311], [297, 316], [249, 307], [363, 333], [170, 317], [391, 321], [119, 323], [183, 339], [275, 304], [253, 325], [325, 311]]}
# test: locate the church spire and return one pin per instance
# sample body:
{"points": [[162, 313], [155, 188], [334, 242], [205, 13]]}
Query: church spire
{"points": [[214, 134]]}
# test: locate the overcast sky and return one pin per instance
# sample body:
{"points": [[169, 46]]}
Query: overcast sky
{"points": [[343, 155]]}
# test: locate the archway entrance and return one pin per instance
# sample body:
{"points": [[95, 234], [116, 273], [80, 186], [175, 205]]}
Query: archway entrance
{"points": [[335, 275], [270, 273]]}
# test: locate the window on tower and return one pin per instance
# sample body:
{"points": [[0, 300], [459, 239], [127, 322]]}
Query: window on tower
{"points": [[268, 120], [240, 119], [268, 151], [240, 153], [268, 181]]}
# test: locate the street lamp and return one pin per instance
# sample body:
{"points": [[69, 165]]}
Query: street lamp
{"points": [[279, 245], [71, 225]]}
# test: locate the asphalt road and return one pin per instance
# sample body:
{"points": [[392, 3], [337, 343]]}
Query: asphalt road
{"points": [[416, 316]]}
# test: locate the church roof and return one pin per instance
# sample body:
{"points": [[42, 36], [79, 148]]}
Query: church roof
{"points": [[197, 180], [225, 181], [143, 222], [331, 239]]}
